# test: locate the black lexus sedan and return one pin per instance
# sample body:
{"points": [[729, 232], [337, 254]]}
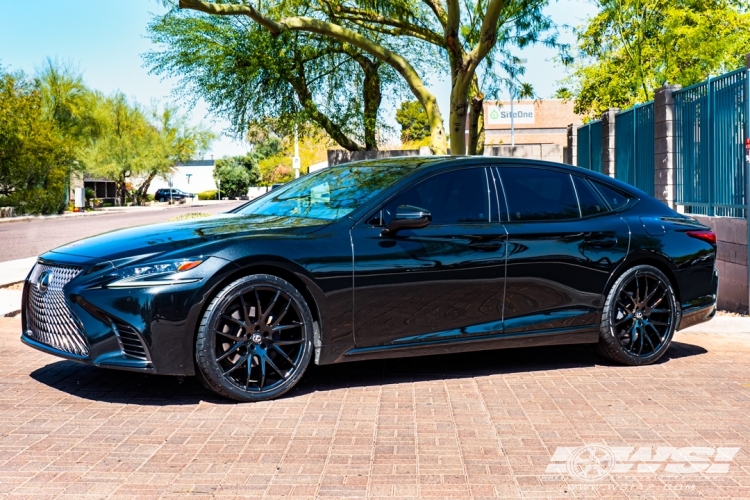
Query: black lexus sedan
{"points": [[376, 259]]}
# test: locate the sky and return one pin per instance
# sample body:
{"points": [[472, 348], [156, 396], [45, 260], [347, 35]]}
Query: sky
{"points": [[105, 40]]}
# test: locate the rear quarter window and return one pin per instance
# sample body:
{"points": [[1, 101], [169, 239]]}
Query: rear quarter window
{"points": [[615, 199]]}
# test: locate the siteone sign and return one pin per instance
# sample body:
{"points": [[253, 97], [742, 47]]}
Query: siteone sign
{"points": [[523, 113]]}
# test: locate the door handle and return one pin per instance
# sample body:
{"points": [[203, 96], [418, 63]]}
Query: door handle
{"points": [[485, 246], [600, 241]]}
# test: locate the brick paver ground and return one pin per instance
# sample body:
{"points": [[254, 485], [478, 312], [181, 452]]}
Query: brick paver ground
{"points": [[481, 425]]}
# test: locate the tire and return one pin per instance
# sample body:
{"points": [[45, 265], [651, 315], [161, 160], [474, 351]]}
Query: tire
{"points": [[254, 341], [161, 200], [639, 318]]}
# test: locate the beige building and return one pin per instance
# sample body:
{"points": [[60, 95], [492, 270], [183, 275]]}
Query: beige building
{"points": [[540, 128]]}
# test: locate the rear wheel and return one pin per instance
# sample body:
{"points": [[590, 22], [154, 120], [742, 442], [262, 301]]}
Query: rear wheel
{"points": [[639, 318], [255, 340]]}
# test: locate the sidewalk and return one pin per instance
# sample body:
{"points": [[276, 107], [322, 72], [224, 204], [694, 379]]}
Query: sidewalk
{"points": [[11, 272]]}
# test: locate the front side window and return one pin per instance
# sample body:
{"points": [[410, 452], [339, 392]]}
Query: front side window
{"points": [[457, 197], [538, 194], [329, 194]]}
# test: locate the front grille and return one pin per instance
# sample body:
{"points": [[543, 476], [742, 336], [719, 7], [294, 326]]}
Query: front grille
{"points": [[49, 320], [130, 341]]}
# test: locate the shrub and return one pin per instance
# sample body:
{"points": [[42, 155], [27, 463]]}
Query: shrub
{"points": [[207, 195]]}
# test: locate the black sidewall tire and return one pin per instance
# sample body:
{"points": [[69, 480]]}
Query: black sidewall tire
{"points": [[205, 351], [609, 346]]}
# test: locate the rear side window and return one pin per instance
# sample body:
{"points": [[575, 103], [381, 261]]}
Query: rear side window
{"points": [[615, 199], [538, 194], [591, 203]]}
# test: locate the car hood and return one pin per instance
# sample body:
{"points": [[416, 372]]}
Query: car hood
{"points": [[182, 235]]}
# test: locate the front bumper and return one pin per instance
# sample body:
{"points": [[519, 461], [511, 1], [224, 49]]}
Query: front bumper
{"points": [[149, 329]]}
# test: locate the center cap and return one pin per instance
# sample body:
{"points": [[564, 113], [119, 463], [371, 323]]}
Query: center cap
{"points": [[638, 315], [257, 338]]}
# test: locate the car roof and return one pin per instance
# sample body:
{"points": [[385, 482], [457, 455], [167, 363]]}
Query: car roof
{"points": [[447, 161]]}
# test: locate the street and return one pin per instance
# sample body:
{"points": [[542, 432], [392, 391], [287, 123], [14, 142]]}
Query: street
{"points": [[22, 239]]}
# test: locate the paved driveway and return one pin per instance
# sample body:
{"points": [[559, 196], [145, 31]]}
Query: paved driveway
{"points": [[499, 424]]}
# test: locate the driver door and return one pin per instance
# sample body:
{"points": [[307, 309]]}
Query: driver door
{"points": [[443, 282]]}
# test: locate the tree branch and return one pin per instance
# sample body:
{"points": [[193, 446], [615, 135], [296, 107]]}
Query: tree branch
{"points": [[320, 27]]}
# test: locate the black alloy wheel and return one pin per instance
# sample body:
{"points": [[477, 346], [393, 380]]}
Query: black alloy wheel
{"points": [[255, 340], [640, 317]]}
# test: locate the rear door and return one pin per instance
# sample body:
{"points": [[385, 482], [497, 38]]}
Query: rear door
{"points": [[563, 244], [441, 283]]}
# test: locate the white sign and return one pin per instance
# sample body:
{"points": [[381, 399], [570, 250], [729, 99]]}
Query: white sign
{"points": [[522, 113]]}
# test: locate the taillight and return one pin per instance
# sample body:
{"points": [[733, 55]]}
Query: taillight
{"points": [[707, 236]]}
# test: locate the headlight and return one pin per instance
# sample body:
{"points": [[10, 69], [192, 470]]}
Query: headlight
{"points": [[158, 274]]}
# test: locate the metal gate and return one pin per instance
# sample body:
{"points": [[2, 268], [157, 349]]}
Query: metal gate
{"points": [[710, 127], [634, 146], [590, 146]]}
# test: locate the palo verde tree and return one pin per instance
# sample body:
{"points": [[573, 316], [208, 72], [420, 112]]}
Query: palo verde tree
{"points": [[473, 34], [468, 32], [632, 47], [276, 22], [246, 74]]}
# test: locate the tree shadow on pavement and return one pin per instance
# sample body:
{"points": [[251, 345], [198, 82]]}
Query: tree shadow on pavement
{"points": [[115, 386]]}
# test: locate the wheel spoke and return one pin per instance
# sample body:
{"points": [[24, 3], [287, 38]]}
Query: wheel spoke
{"points": [[287, 342], [259, 312], [653, 292], [275, 368], [230, 350], [281, 316], [237, 364], [640, 331], [229, 336], [262, 363], [285, 355], [264, 318], [654, 322], [637, 290], [233, 320], [658, 301], [245, 311], [660, 311], [658, 335], [623, 320], [287, 327]]}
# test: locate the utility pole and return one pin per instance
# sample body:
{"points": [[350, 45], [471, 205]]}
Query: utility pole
{"points": [[295, 159], [512, 91]]}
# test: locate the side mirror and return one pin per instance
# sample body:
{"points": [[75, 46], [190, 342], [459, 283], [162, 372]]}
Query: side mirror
{"points": [[408, 217]]}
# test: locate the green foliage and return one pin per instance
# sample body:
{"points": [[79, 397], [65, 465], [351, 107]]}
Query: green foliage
{"points": [[234, 177], [207, 195], [34, 160], [632, 47], [246, 74], [413, 120]]}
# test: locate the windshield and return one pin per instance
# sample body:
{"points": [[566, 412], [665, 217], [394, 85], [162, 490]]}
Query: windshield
{"points": [[329, 194]]}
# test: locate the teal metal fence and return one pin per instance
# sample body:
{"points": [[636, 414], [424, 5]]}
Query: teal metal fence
{"points": [[589, 147], [710, 128], [634, 146]]}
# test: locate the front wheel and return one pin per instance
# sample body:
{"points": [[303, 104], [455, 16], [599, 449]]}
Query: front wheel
{"points": [[639, 318], [255, 339]]}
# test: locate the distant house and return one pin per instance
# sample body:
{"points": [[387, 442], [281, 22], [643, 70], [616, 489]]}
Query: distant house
{"points": [[193, 176]]}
